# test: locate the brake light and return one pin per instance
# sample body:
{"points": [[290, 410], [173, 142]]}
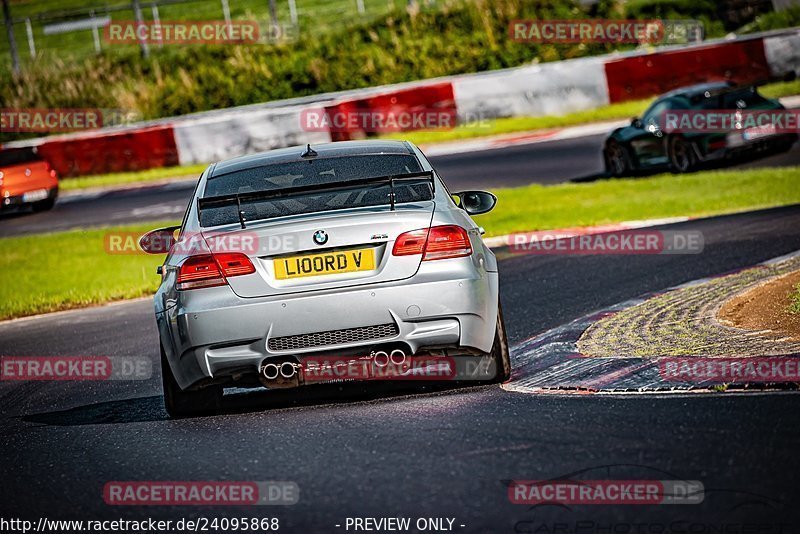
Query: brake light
{"points": [[410, 243], [49, 170], [234, 264], [436, 243], [447, 242], [207, 270]]}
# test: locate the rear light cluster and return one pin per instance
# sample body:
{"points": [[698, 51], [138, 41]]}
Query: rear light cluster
{"points": [[435, 243], [210, 270], [49, 169]]}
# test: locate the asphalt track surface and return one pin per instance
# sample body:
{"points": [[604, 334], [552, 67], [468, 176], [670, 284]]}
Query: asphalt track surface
{"points": [[547, 162], [383, 452]]}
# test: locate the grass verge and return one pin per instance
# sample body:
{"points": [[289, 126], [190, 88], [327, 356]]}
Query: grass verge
{"points": [[538, 207], [72, 269], [124, 178], [794, 306], [624, 110]]}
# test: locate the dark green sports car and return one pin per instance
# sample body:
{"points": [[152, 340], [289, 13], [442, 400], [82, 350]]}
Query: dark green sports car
{"points": [[647, 145]]}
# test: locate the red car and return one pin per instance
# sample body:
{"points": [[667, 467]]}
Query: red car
{"points": [[26, 179]]}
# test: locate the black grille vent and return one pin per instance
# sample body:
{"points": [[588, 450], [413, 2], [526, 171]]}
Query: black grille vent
{"points": [[333, 337]]}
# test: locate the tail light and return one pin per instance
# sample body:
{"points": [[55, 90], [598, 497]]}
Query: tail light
{"points": [[410, 243], [211, 270], [436, 243], [49, 169]]}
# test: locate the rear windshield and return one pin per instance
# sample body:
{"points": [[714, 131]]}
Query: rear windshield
{"points": [[317, 171], [18, 156], [742, 99]]}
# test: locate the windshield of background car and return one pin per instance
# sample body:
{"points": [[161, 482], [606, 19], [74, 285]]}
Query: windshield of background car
{"points": [[317, 171], [653, 115], [18, 156]]}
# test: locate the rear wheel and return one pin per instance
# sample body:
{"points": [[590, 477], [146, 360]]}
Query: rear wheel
{"points": [[681, 155], [499, 353], [180, 403]]}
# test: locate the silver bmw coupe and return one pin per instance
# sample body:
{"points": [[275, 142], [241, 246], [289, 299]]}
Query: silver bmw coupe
{"points": [[351, 250]]}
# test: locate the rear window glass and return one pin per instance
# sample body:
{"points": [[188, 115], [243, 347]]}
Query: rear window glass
{"points": [[742, 99], [18, 156], [311, 172]]}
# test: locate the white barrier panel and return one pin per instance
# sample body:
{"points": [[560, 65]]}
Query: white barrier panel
{"points": [[783, 54], [536, 90], [235, 134]]}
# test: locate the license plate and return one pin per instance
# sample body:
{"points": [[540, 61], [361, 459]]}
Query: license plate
{"points": [[757, 133], [34, 196], [345, 261]]}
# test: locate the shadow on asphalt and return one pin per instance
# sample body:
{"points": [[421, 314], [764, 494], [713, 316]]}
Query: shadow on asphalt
{"points": [[728, 163], [16, 213], [144, 409]]}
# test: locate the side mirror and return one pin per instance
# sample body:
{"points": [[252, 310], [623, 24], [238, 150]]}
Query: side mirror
{"points": [[158, 241], [476, 202], [636, 122]]}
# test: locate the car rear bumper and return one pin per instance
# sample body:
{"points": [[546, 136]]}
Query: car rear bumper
{"points": [[16, 201], [737, 146], [213, 333]]}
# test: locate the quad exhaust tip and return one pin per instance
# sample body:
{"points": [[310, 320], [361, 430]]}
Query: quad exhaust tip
{"points": [[287, 370], [398, 357], [380, 358], [292, 369], [270, 371]]}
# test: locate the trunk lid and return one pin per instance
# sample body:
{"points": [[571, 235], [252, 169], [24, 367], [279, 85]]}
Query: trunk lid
{"points": [[326, 250]]}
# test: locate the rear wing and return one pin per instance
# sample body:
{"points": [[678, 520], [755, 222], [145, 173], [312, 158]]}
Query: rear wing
{"points": [[238, 198], [787, 77]]}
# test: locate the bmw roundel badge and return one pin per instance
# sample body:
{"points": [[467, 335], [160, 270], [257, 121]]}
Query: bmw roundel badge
{"points": [[320, 237]]}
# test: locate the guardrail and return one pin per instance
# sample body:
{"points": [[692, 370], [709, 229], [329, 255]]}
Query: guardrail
{"points": [[532, 90]]}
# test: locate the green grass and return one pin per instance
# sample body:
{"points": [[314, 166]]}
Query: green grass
{"points": [[781, 89], [313, 16], [122, 178], [538, 207], [623, 110], [794, 306], [72, 269]]}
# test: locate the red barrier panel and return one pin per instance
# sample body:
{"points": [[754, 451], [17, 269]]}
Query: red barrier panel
{"points": [[652, 74], [102, 153], [409, 102]]}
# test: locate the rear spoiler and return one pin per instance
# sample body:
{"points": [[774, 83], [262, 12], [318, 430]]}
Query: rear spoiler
{"points": [[238, 198], [787, 77]]}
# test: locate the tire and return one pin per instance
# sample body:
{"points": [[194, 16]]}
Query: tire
{"points": [[618, 159], [682, 157], [499, 353], [181, 403]]}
